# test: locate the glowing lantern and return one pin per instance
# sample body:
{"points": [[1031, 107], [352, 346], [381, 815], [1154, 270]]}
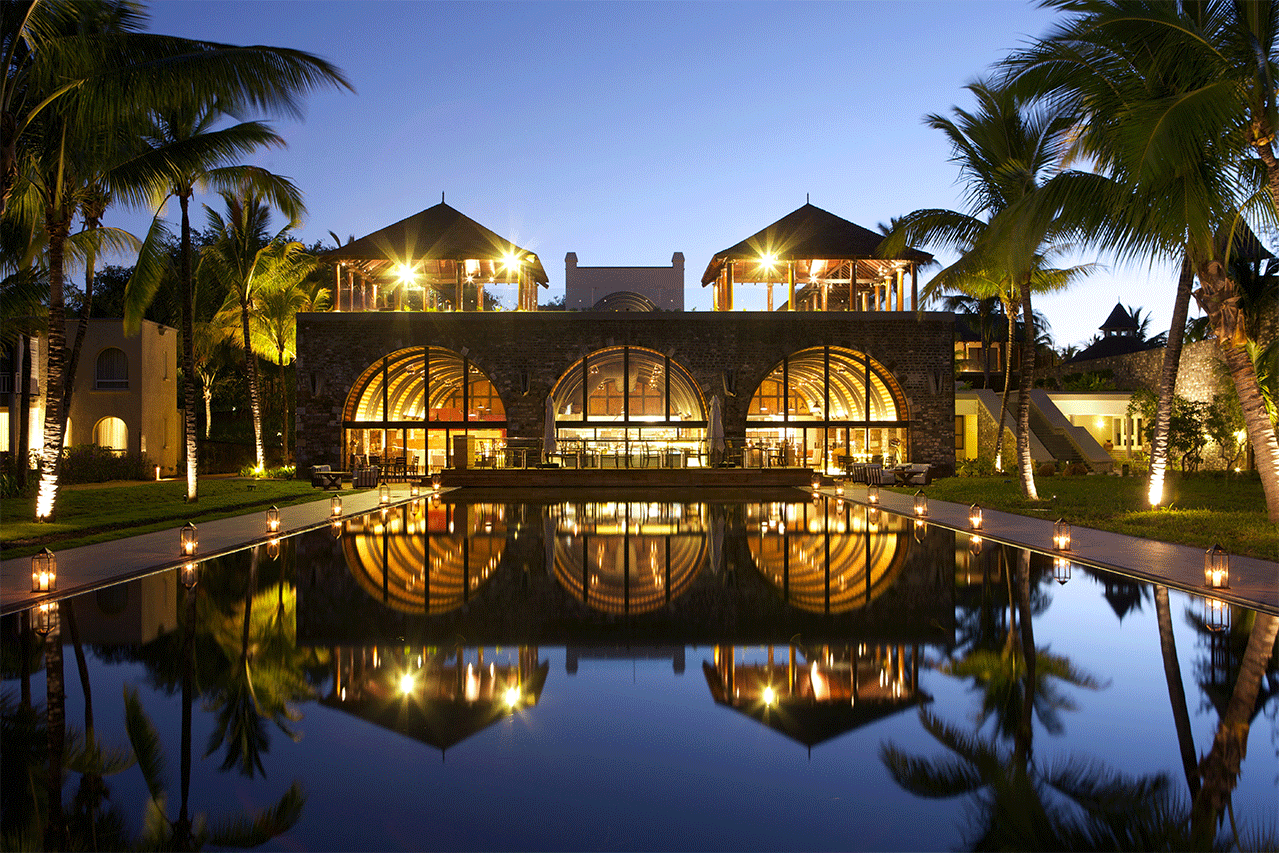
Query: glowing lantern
{"points": [[1061, 569], [273, 520], [872, 493], [921, 504], [1061, 535], [384, 494], [189, 574], [190, 539], [44, 572], [1216, 568], [974, 517], [335, 506]]}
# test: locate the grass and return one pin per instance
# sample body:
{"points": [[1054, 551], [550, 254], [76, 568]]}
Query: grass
{"points": [[104, 511], [1201, 510]]}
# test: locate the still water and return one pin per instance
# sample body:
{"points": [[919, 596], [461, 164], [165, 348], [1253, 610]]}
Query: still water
{"points": [[645, 675]]}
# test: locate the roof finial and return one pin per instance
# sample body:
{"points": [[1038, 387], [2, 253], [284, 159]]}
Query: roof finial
{"points": [[806, 199], [441, 196]]}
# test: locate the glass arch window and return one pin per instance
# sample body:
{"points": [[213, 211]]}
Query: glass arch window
{"points": [[629, 406], [112, 434], [825, 407], [112, 370], [410, 404]]}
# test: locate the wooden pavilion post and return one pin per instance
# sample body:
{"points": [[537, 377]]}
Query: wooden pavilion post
{"points": [[914, 286], [901, 294], [790, 286], [728, 289], [457, 275], [337, 286]]}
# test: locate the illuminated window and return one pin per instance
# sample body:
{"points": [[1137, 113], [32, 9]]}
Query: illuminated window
{"points": [[112, 434]]}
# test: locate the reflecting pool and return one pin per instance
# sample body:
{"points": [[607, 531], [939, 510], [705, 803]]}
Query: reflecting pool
{"points": [[628, 674]]}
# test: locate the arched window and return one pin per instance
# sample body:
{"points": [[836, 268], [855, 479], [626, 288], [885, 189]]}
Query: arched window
{"points": [[112, 370], [112, 434], [825, 406]]}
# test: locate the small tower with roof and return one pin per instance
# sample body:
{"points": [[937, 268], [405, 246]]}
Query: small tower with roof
{"points": [[1119, 324]]}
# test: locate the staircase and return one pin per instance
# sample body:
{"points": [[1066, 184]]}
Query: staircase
{"points": [[1057, 445]]}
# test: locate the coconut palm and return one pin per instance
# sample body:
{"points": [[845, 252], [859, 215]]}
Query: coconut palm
{"points": [[193, 135], [1007, 152], [244, 259], [1176, 102]]}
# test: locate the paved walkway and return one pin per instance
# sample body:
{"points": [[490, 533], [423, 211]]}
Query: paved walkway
{"points": [[1253, 582]]}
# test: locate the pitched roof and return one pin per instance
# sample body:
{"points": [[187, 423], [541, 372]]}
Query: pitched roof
{"points": [[1113, 345], [1119, 320], [437, 233], [805, 234]]}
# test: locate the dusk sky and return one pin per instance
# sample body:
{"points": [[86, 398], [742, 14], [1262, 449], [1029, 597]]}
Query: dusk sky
{"points": [[625, 132]]}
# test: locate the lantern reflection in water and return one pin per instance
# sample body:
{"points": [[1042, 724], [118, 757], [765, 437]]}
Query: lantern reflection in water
{"points": [[831, 557], [426, 562]]}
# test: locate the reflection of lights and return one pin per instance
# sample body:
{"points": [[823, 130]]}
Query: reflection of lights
{"points": [[1061, 569], [1216, 614], [769, 696], [406, 683], [189, 574]]}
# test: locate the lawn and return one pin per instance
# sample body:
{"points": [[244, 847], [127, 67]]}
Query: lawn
{"points": [[105, 511], [1201, 510]]}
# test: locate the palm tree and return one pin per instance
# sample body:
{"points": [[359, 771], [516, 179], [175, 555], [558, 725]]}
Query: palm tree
{"points": [[245, 259], [1007, 152], [1176, 102], [193, 135]]}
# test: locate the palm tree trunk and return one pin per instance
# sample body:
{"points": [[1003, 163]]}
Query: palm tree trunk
{"points": [[24, 410], [255, 394], [58, 224], [1218, 296], [190, 431], [1025, 380], [1003, 397], [208, 408], [1220, 767], [284, 407], [92, 221], [1168, 383], [1176, 690], [1023, 747]]}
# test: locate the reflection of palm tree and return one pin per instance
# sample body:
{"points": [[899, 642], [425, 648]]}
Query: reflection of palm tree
{"points": [[161, 834], [264, 675]]}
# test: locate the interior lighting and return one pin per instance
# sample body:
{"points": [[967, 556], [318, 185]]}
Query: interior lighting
{"points": [[1061, 535], [190, 539], [512, 696], [405, 273], [769, 696], [44, 571], [406, 683], [1216, 568], [768, 260]]}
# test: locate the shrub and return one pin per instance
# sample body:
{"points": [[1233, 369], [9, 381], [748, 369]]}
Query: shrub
{"points": [[88, 463], [1047, 469], [1076, 469], [982, 466], [285, 472]]}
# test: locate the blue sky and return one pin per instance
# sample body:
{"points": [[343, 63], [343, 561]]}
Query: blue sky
{"points": [[625, 132]]}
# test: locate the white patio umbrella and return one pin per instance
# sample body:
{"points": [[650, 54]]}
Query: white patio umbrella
{"points": [[549, 446], [716, 430]]}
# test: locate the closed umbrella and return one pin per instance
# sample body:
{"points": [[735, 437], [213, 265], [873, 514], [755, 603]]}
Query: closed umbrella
{"points": [[717, 432], [549, 447]]}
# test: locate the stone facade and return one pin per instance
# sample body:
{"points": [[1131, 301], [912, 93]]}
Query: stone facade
{"points": [[1196, 375], [525, 353]]}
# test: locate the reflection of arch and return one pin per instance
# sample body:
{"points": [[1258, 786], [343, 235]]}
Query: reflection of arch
{"points": [[628, 558], [628, 385], [112, 370], [112, 434], [828, 557], [624, 300], [430, 554]]}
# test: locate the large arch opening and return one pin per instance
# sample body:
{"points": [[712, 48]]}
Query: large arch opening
{"points": [[824, 407], [409, 407], [629, 406], [111, 434]]}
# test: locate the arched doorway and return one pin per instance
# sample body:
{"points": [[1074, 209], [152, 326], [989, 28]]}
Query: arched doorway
{"points": [[823, 406], [627, 405], [413, 403], [112, 434]]}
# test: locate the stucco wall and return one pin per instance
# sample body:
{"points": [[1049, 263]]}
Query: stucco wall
{"points": [[334, 348], [585, 286]]}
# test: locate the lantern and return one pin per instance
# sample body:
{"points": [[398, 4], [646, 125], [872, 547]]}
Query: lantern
{"points": [[189, 574], [384, 494], [921, 528], [974, 517], [817, 481], [974, 545], [273, 520], [190, 539], [872, 493], [921, 504], [1061, 535], [872, 516], [44, 572], [335, 506], [1216, 614], [415, 489], [335, 528], [1061, 569], [1216, 568], [436, 481], [839, 487]]}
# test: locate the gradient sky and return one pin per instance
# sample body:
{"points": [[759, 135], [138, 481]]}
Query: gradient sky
{"points": [[625, 132]]}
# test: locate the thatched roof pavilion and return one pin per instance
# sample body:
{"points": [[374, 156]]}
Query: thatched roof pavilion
{"points": [[437, 259], [827, 264]]}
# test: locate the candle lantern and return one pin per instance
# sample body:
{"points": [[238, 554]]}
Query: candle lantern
{"points": [[1061, 569], [817, 481], [415, 489], [921, 529], [872, 516], [1216, 568], [273, 520], [335, 528], [921, 504], [384, 493], [335, 506], [189, 574], [872, 493], [437, 480], [839, 487], [974, 545], [190, 539], [44, 571], [974, 517], [1061, 535]]}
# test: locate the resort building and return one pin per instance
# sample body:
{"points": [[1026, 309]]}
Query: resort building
{"points": [[624, 288], [413, 368], [124, 397]]}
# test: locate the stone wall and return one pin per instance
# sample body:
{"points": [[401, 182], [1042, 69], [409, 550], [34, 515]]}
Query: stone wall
{"points": [[525, 353], [1196, 375]]}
